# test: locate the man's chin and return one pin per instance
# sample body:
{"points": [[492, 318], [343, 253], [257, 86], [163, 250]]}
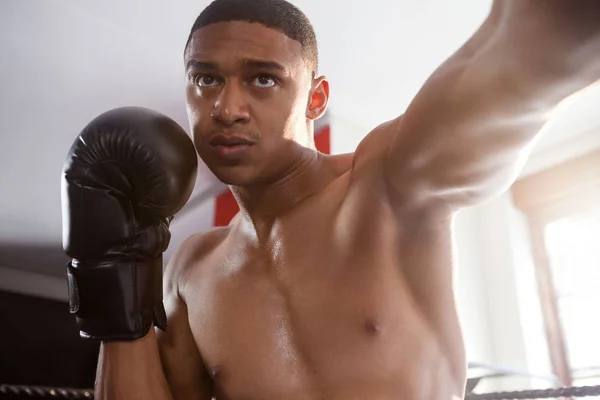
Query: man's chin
{"points": [[233, 176]]}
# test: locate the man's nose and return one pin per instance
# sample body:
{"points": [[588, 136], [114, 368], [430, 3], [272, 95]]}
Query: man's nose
{"points": [[230, 106]]}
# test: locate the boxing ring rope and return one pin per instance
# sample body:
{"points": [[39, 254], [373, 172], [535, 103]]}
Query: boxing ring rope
{"points": [[28, 392], [578, 391], [24, 391], [501, 372]]}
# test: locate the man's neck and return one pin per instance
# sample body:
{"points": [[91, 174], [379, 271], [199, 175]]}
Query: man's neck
{"points": [[263, 204]]}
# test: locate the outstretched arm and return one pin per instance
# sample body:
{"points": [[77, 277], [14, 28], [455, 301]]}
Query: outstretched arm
{"points": [[468, 131]]}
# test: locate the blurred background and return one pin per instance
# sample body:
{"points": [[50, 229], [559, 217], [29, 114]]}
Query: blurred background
{"points": [[528, 265]]}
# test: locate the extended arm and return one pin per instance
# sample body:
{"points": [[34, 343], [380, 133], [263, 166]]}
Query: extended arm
{"points": [[467, 132]]}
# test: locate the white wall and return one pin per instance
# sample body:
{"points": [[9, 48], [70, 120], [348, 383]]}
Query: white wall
{"points": [[534, 338], [472, 303], [346, 134], [497, 293]]}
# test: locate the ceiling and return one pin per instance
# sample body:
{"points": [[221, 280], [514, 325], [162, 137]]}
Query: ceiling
{"points": [[64, 62]]}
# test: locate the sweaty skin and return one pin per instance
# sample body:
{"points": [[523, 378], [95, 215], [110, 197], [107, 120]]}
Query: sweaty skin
{"points": [[305, 295], [334, 281], [323, 308]]}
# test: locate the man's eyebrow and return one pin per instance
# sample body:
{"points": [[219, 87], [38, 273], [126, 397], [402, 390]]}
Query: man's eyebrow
{"points": [[245, 63], [210, 66], [261, 64]]}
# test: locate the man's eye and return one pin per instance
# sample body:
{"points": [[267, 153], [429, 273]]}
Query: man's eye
{"points": [[264, 81], [205, 80]]}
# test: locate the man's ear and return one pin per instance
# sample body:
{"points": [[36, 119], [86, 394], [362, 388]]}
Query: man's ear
{"points": [[319, 97]]}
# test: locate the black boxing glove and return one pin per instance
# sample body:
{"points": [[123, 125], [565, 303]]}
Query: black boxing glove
{"points": [[128, 172]]}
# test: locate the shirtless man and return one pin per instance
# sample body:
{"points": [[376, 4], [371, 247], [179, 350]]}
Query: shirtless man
{"points": [[335, 279]]}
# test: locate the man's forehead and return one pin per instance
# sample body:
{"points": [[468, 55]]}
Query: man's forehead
{"points": [[243, 40]]}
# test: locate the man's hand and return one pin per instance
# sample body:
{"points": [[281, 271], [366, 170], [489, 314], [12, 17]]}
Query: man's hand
{"points": [[128, 172], [126, 175]]}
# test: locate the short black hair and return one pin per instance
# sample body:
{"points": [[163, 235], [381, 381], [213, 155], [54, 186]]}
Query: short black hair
{"points": [[276, 14]]}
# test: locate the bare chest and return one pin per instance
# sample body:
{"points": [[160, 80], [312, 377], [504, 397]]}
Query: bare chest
{"points": [[325, 311], [334, 333]]}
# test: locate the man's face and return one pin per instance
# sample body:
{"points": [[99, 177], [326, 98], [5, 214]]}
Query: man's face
{"points": [[248, 92]]}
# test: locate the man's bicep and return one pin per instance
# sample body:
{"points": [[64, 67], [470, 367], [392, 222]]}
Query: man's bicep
{"points": [[453, 148], [470, 128], [180, 357], [448, 146]]}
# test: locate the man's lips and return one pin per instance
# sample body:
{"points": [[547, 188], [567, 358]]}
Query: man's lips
{"points": [[230, 147], [229, 140]]}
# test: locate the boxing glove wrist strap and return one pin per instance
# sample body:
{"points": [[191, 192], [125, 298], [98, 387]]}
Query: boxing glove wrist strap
{"points": [[116, 300]]}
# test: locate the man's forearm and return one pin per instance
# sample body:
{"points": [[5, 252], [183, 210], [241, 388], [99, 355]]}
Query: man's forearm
{"points": [[554, 35], [131, 371]]}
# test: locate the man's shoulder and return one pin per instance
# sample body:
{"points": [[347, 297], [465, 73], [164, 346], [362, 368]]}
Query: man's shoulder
{"points": [[196, 249], [202, 243]]}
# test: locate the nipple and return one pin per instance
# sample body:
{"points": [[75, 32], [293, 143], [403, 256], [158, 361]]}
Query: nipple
{"points": [[215, 372], [372, 326]]}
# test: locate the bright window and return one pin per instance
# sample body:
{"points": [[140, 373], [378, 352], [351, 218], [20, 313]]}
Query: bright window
{"points": [[573, 247]]}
